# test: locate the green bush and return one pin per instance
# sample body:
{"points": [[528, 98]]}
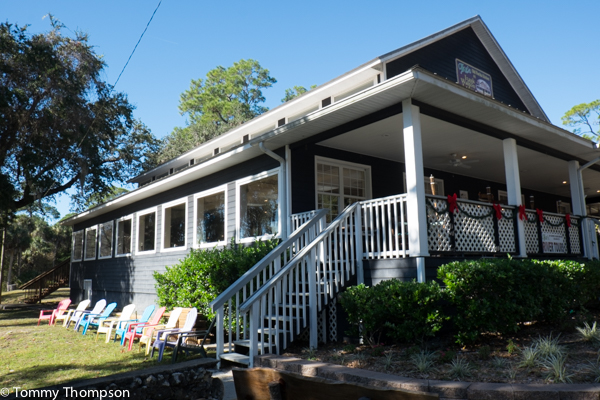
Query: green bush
{"points": [[204, 274], [403, 311]]}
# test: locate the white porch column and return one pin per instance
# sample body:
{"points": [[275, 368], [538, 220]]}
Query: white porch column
{"points": [[513, 187], [578, 202], [415, 186]]}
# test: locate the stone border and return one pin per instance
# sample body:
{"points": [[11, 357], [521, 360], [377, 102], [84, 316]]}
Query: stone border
{"points": [[446, 389]]}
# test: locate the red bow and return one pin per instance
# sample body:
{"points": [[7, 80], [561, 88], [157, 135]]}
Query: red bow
{"points": [[452, 206], [522, 214], [540, 214], [498, 209], [568, 220]]}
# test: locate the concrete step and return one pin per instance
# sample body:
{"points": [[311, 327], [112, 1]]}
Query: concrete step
{"points": [[236, 358]]}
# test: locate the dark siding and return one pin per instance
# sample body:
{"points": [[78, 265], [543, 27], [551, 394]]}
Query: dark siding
{"points": [[440, 58]]}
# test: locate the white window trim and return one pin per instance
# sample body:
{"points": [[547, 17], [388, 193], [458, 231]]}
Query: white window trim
{"points": [[111, 241], [341, 163], [86, 243], [116, 244], [137, 229], [183, 201], [82, 246], [218, 189], [238, 216]]}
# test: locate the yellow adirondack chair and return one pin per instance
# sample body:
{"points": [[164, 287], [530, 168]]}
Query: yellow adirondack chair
{"points": [[149, 332], [73, 313], [111, 323]]}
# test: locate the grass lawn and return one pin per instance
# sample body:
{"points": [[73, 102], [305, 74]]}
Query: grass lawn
{"points": [[34, 356]]}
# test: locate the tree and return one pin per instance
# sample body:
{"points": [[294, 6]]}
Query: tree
{"points": [[295, 92], [585, 118], [61, 126]]}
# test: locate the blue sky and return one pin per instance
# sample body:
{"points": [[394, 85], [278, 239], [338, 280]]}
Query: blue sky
{"points": [[551, 43]]}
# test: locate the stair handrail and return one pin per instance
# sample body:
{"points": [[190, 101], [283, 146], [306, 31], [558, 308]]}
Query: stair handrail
{"points": [[266, 260], [45, 274]]}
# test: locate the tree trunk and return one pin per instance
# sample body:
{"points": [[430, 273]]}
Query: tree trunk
{"points": [[10, 264], [2, 259]]}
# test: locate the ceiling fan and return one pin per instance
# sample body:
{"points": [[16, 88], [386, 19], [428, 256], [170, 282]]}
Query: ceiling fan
{"points": [[457, 161]]}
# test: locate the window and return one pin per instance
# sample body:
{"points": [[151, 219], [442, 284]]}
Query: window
{"points": [[124, 236], [340, 184], [106, 240], [174, 224], [77, 246], [146, 235], [210, 217], [259, 207], [90, 243]]}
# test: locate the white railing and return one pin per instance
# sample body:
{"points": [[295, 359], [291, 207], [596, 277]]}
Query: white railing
{"points": [[552, 235], [227, 304], [301, 218], [384, 226], [295, 295]]}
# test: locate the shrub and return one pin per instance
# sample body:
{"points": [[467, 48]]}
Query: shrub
{"points": [[204, 274], [404, 311]]}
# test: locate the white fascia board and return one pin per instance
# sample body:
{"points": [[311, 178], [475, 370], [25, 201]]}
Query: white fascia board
{"points": [[426, 77]]}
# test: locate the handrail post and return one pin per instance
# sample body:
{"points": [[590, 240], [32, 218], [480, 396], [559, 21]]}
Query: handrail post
{"points": [[312, 299], [220, 336], [254, 314], [358, 239]]}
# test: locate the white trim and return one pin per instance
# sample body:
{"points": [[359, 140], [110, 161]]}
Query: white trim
{"points": [[112, 239], [73, 245], [238, 217], [85, 258], [117, 223], [170, 204], [137, 230], [215, 190], [342, 164]]}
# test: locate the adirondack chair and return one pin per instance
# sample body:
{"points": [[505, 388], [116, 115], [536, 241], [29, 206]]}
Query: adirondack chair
{"points": [[96, 319], [150, 331], [98, 307], [108, 324], [74, 312], [50, 315], [122, 329], [136, 329], [162, 336], [183, 345]]}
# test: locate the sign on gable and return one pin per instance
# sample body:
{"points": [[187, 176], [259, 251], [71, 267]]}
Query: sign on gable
{"points": [[473, 78]]}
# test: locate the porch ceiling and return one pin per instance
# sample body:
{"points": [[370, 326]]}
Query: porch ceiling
{"points": [[539, 171]]}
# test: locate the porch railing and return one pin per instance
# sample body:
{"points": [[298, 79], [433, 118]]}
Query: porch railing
{"points": [[384, 227], [230, 318], [552, 235]]}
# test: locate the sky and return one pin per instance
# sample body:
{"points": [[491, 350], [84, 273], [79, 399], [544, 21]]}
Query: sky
{"points": [[552, 44]]}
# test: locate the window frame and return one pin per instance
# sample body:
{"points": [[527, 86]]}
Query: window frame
{"points": [[138, 215], [118, 221], [82, 231], [112, 240], [184, 201], [85, 247], [341, 164], [218, 189], [238, 215]]}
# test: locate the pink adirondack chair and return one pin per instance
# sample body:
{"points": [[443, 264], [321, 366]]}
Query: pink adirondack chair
{"points": [[50, 315], [136, 330]]}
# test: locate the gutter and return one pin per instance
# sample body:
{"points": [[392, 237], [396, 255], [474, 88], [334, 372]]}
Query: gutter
{"points": [[282, 188]]}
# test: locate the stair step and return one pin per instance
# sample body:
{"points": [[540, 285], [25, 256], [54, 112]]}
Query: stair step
{"points": [[236, 358], [246, 343]]}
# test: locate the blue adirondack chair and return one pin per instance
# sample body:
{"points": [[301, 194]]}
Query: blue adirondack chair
{"points": [[123, 326], [96, 319], [100, 304]]}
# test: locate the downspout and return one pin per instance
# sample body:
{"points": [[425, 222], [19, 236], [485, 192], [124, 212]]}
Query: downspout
{"points": [[282, 188], [587, 232]]}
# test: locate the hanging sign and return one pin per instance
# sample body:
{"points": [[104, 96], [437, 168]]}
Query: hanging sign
{"points": [[553, 243], [473, 78]]}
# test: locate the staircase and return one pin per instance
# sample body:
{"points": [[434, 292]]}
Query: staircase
{"points": [[46, 283], [282, 295]]}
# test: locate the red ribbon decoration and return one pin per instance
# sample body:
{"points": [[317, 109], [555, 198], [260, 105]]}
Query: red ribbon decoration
{"points": [[568, 220], [522, 214], [452, 206], [498, 209], [540, 214]]}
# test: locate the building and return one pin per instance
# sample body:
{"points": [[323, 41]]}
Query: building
{"points": [[383, 148]]}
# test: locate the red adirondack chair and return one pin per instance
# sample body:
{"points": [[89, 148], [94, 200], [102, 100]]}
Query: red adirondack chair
{"points": [[50, 315], [137, 329]]}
